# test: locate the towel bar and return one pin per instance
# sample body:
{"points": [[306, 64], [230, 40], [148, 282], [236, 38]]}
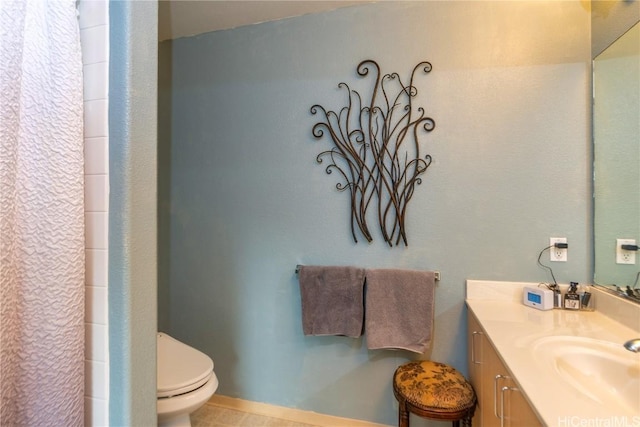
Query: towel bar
{"points": [[437, 273]]}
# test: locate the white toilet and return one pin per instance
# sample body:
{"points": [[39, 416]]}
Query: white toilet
{"points": [[185, 381]]}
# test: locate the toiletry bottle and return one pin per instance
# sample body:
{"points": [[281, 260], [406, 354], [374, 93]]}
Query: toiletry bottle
{"points": [[580, 292], [571, 298], [557, 296], [585, 300]]}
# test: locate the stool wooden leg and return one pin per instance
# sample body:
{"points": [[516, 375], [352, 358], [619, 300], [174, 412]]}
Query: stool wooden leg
{"points": [[456, 423], [403, 414]]}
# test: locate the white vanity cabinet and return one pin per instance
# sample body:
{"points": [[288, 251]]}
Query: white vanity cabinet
{"points": [[500, 402]]}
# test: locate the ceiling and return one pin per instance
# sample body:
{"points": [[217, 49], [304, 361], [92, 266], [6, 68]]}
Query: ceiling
{"points": [[182, 18]]}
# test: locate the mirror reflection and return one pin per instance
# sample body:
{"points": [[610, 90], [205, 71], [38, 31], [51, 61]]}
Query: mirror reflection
{"points": [[616, 134]]}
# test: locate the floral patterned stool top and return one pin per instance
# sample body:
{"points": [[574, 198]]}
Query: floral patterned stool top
{"points": [[433, 390]]}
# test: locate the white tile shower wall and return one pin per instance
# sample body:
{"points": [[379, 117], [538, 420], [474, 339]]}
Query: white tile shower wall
{"points": [[94, 38]]}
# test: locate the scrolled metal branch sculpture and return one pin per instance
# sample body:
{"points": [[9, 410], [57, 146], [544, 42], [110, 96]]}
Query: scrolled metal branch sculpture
{"points": [[377, 149]]}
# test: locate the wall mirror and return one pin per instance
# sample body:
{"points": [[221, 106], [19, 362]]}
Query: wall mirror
{"points": [[616, 137]]}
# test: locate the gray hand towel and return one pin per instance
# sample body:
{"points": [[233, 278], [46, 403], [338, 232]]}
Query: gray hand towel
{"points": [[332, 300], [399, 309]]}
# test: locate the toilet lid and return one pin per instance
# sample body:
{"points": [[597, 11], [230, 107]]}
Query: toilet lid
{"points": [[181, 368]]}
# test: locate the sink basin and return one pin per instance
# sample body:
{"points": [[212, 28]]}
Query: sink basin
{"points": [[603, 371]]}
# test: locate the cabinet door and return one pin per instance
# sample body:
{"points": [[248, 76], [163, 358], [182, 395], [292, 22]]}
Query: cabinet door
{"points": [[494, 378], [517, 411], [500, 402], [482, 370], [475, 337], [511, 409]]}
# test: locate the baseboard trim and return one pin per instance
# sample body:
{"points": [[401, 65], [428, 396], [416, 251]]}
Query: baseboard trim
{"points": [[289, 414]]}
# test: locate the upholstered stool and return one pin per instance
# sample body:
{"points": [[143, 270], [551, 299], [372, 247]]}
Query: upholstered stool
{"points": [[433, 390]]}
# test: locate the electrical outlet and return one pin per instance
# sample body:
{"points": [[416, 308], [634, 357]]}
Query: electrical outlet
{"points": [[557, 254], [622, 256]]}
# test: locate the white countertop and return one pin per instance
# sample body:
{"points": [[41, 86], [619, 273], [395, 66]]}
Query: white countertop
{"points": [[513, 328]]}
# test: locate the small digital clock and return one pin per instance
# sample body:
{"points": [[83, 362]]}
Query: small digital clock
{"points": [[539, 298]]}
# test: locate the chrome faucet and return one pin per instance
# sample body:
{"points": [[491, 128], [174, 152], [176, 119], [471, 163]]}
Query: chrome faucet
{"points": [[633, 345]]}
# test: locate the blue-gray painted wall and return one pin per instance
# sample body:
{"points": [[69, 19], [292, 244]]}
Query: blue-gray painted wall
{"points": [[242, 199]]}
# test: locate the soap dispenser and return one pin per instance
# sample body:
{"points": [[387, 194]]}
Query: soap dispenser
{"points": [[571, 298]]}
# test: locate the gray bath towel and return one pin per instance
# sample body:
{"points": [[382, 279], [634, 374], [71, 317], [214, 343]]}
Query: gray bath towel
{"points": [[332, 300], [399, 309]]}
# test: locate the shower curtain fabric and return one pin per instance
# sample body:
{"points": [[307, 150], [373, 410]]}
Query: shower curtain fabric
{"points": [[41, 215]]}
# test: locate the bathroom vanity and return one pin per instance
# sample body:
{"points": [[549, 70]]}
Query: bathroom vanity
{"points": [[557, 367]]}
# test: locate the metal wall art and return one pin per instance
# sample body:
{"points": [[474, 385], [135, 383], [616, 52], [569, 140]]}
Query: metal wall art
{"points": [[376, 149]]}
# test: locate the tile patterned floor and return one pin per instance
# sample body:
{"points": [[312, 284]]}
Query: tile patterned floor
{"points": [[214, 416]]}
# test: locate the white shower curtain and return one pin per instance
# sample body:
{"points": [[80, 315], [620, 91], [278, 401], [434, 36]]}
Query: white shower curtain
{"points": [[41, 215]]}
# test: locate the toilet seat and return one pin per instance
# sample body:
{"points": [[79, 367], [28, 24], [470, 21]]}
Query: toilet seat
{"points": [[181, 369]]}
